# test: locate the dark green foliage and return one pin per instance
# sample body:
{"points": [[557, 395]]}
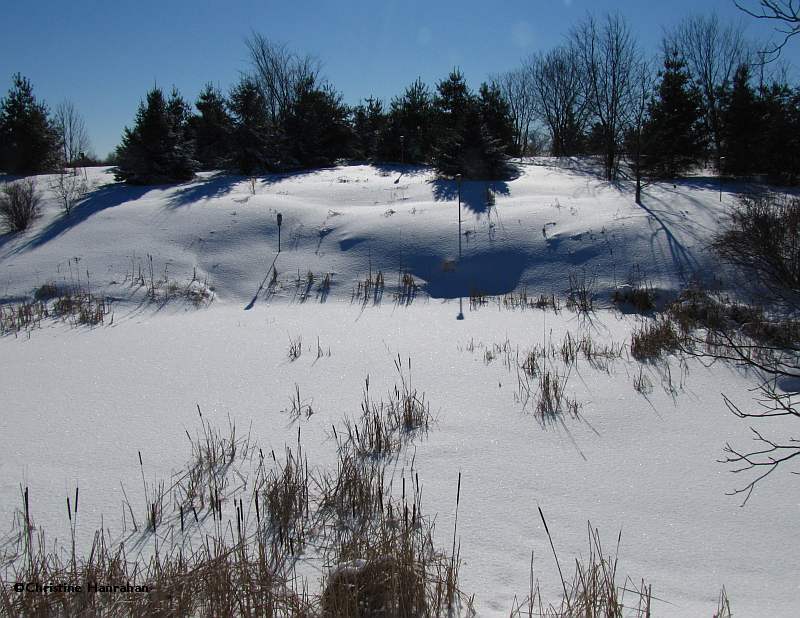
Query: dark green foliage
{"points": [[496, 116], [157, 149], [672, 139], [473, 134], [741, 126], [779, 146], [370, 125], [28, 139], [409, 137], [253, 147], [317, 131], [211, 129]]}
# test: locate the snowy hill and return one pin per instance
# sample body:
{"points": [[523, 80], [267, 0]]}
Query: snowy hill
{"points": [[546, 223], [637, 453]]}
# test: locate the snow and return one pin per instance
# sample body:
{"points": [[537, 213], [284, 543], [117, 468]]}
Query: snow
{"points": [[79, 404]]}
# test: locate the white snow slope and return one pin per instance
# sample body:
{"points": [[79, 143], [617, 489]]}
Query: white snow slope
{"points": [[78, 404]]}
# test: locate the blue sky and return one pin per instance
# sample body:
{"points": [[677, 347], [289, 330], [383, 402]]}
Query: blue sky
{"points": [[105, 55]]}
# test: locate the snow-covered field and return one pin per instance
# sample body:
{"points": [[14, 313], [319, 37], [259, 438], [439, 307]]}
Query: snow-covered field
{"points": [[79, 404]]}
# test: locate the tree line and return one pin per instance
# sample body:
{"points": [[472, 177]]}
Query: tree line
{"points": [[705, 100]]}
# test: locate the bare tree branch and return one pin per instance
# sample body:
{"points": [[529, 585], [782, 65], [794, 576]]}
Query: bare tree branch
{"points": [[787, 12], [278, 71], [72, 134]]}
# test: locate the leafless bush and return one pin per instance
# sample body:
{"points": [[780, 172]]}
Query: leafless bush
{"points": [[764, 236], [69, 186], [19, 204]]}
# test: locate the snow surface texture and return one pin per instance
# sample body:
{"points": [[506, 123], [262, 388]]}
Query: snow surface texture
{"points": [[548, 222], [78, 404]]}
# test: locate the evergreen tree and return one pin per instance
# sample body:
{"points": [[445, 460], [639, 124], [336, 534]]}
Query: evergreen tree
{"points": [[156, 149], [496, 115], [778, 150], [672, 139], [316, 126], [453, 104], [28, 138], [370, 125], [254, 141], [211, 130], [741, 126], [409, 133], [473, 134]]}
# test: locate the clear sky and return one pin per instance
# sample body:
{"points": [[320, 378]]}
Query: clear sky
{"points": [[104, 56]]}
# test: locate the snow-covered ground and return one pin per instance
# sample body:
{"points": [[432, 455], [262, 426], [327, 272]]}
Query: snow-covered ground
{"points": [[79, 404]]}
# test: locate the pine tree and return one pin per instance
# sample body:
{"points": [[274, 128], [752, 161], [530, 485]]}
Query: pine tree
{"points": [[672, 139], [254, 141], [370, 125], [211, 130], [156, 150], [28, 138], [409, 136], [741, 126], [496, 115], [455, 108], [473, 134], [316, 126], [778, 141]]}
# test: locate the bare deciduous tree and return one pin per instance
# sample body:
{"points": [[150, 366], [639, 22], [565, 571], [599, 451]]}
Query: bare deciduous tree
{"points": [[641, 91], [558, 92], [69, 185], [516, 89], [278, 71], [712, 51], [72, 134], [786, 13], [608, 54]]}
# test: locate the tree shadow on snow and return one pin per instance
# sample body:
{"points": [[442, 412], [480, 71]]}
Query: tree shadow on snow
{"points": [[475, 194], [399, 170], [491, 274], [214, 186], [102, 198]]}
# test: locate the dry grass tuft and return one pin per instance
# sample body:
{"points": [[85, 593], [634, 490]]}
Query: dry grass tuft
{"points": [[581, 293], [594, 590], [653, 338]]}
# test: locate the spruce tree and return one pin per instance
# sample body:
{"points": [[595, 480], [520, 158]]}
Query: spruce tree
{"points": [[455, 106], [409, 136], [316, 126], [370, 125], [741, 126], [473, 134], [254, 142], [496, 115], [28, 138], [211, 130], [155, 150], [672, 139]]}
